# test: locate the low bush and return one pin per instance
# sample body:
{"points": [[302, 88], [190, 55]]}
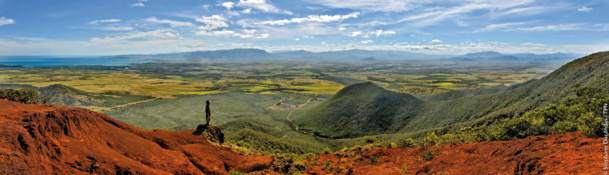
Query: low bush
{"points": [[406, 142], [369, 139], [22, 95]]}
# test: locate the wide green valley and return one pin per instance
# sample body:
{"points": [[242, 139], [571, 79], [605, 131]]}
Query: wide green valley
{"points": [[296, 106], [316, 87]]}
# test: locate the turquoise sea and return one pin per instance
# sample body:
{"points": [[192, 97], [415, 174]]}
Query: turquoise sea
{"points": [[53, 61]]}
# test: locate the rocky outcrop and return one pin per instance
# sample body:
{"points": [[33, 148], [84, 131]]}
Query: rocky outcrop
{"points": [[41, 139], [570, 153], [212, 133]]}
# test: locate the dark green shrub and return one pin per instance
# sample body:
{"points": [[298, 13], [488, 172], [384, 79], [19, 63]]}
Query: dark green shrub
{"points": [[564, 126], [406, 142], [369, 139], [591, 126], [429, 154], [22, 95], [326, 150], [430, 139]]}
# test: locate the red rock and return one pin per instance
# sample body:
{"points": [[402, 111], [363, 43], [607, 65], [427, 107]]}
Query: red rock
{"points": [[42, 139]]}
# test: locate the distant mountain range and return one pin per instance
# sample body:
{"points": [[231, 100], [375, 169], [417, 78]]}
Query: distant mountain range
{"points": [[347, 55], [491, 56]]}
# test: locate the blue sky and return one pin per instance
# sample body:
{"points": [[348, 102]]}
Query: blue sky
{"points": [[109, 27]]}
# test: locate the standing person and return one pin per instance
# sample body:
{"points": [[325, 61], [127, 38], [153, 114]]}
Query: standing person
{"points": [[207, 112]]}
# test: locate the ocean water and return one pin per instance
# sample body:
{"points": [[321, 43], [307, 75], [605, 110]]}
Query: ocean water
{"points": [[50, 61]]}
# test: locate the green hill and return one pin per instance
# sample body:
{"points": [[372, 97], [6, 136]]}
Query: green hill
{"points": [[360, 109], [365, 108]]}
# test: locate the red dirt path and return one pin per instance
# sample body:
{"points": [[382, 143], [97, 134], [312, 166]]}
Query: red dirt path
{"points": [[39, 139], [570, 153]]}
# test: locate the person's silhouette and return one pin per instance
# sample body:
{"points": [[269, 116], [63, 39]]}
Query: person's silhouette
{"points": [[207, 112]]}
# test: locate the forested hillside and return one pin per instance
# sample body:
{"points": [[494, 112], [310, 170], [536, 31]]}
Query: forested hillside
{"points": [[351, 114]]}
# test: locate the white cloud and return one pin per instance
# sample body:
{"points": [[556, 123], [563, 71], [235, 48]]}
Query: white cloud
{"points": [[233, 13], [245, 33], [212, 22], [117, 28], [559, 27], [228, 5], [584, 9], [170, 22], [297, 39], [246, 11], [366, 41], [157, 34], [435, 41], [356, 33], [261, 5], [215, 32], [206, 6], [381, 32], [502, 26], [312, 18], [464, 9], [372, 5], [105, 21], [139, 4], [376, 33], [5, 21], [251, 33], [532, 45]]}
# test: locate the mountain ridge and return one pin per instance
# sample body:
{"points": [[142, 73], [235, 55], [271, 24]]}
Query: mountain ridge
{"points": [[471, 109]]}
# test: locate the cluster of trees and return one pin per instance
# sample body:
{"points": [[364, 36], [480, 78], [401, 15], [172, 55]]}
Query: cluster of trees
{"points": [[23, 95], [582, 113]]}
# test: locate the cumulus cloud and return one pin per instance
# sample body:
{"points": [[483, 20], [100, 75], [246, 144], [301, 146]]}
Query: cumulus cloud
{"points": [[584, 9], [215, 32], [5, 21], [170, 22], [227, 5], [435, 41], [376, 33], [212, 22], [312, 18], [139, 4], [246, 11], [366, 41], [261, 5], [251, 33]]}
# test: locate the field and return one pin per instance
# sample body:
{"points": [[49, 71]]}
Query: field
{"points": [[251, 101]]}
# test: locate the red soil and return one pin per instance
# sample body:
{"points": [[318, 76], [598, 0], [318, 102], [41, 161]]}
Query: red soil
{"points": [[570, 153], [39, 139]]}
